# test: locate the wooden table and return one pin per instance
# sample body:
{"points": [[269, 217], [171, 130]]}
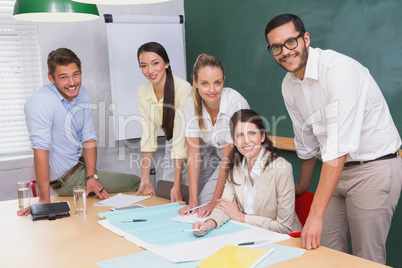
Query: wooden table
{"points": [[79, 241]]}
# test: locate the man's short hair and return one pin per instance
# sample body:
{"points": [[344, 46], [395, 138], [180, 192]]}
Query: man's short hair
{"points": [[61, 57], [283, 19]]}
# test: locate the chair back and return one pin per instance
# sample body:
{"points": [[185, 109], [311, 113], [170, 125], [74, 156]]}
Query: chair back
{"points": [[33, 188], [303, 204], [163, 190]]}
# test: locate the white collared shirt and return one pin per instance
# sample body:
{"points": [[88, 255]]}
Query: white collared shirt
{"points": [[339, 109], [250, 191], [219, 134]]}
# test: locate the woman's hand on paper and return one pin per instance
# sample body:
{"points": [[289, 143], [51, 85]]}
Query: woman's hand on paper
{"points": [[204, 227], [205, 211], [186, 210]]}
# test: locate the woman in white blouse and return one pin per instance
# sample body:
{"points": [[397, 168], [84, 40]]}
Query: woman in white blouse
{"points": [[161, 103], [207, 115], [260, 187]]}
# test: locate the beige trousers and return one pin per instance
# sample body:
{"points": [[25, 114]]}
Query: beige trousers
{"points": [[361, 208]]}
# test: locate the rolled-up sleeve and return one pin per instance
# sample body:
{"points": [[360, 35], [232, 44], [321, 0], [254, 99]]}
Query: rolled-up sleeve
{"points": [[88, 130], [345, 111], [39, 120]]}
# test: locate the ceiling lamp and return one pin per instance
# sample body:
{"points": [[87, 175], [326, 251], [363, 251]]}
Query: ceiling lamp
{"points": [[120, 2], [54, 11]]}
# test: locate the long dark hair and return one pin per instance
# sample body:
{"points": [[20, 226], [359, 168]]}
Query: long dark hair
{"points": [[235, 157], [168, 92]]}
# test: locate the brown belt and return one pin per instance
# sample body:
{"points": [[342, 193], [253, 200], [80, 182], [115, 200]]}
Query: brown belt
{"points": [[57, 183]]}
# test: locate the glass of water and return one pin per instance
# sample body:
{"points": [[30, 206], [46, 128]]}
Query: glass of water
{"points": [[80, 201], [23, 194]]}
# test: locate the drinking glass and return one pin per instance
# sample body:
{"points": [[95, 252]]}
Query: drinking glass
{"points": [[80, 200], [23, 194]]}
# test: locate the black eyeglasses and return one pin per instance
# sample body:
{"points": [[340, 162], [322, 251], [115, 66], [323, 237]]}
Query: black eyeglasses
{"points": [[291, 43]]}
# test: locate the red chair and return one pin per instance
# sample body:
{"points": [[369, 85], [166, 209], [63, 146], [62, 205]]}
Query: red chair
{"points": [[302, 207], [33, 188]]}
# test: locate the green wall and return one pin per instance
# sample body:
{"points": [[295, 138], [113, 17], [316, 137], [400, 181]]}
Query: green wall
{"points": [[369, 31]]}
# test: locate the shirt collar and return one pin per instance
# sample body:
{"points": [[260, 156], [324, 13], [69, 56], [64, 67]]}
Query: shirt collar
{"points": [[311, 67], [150, 94], [222, 104], [256, 170], [61, 98]]}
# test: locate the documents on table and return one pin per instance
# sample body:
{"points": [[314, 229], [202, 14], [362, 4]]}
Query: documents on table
{"points": [[230, 256], [147, 259], [188, 218], [120, 200], [166, 238], [158, 230], [202, 248]]}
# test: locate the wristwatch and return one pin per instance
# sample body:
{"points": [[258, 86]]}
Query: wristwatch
{"points": [[93, 177]]}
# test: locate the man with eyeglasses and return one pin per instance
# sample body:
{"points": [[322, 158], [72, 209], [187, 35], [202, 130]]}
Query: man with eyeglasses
{"points": [[337, 108]]}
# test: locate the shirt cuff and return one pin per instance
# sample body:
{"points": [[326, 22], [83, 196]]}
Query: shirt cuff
{"points": [[86, 138], [41, 146], [178, 153], [149, 148]]}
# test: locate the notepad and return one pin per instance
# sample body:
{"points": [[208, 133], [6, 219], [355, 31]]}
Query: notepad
{"points": [[235, 257], [120, 200]]}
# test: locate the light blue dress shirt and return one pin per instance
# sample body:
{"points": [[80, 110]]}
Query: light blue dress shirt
{"points": [[59, 126]]}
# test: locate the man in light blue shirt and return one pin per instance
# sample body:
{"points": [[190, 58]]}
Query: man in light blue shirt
{"points": [[63, 136]]}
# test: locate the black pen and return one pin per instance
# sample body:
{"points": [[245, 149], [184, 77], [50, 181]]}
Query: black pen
{"points": [[254, 243], [134, 220]]}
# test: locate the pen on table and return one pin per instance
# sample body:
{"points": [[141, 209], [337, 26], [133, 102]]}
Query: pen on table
{"points": [[203, 205], [254, 243], [194, 230], [134, 220]]}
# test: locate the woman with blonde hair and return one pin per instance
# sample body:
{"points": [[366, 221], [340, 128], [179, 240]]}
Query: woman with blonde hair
{"points": [[207, 115]]}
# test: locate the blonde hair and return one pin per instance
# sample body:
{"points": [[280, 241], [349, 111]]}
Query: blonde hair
{"points": [[203, 60]]}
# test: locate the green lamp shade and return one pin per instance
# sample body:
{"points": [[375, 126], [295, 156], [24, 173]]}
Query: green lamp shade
{"points": [[54, 11], [120, 2]]}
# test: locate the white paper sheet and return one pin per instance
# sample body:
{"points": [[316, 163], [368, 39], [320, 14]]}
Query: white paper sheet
{"points": [[199, 250], [188, 218], [120, 200]]}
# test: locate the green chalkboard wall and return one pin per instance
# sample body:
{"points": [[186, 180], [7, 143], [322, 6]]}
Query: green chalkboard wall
{"points": [[369, 31]]}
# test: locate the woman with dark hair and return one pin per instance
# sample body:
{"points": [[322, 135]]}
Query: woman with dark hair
{"points": [[260, 187], [161, 103]]}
